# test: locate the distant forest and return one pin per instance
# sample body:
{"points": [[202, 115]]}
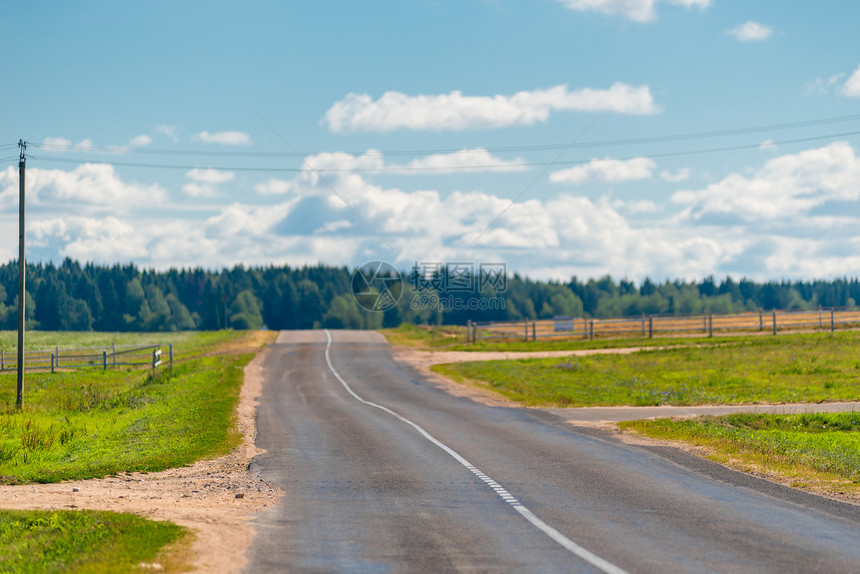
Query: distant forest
{"points": [[75, 297]]}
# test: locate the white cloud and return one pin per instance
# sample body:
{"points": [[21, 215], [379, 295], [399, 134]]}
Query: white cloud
{"points": [[454, 111], [852, 86], [169, 131], [767, 145], [606, 170], [822, 86], [106, 239], [751, 31], [224, 138], [63, 144], [204, 181], [90, 185], [680, 175], [636, 10], [466, 160], [141, 140], [639, 206], [273, 187], [786, 188]]}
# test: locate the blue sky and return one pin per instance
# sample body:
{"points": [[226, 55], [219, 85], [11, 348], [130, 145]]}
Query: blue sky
{"points": [[660, 138]]}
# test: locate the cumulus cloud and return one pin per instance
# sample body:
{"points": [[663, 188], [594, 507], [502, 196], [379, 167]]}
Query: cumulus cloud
{"points": [[751, 31], [106, 239], [466, 160], [606, 170], [785, 188], [455, 111], [169, 131], [63, 144], [204, 181], [90, 185], [141, 140], [223, 138], [852, 86], [273, 187], [636, 10], [680, 175], [636, 206]]}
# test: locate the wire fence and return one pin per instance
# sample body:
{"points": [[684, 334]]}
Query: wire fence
{"points": [[649, 326], [115, 356]]}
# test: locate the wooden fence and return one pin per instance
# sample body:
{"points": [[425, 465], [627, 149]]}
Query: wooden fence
{"points": [[771, 322], [93, 357]]}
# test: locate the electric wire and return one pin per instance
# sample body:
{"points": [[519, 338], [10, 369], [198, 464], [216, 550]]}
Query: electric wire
{"points": [[119, 150], [507, 166]]}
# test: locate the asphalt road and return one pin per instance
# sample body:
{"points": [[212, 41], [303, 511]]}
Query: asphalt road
{"points": [[385, 472]]}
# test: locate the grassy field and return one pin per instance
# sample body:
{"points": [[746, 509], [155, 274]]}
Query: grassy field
{"points": [[791, 368], [815, 451], [819, 452], [40, 340], [426, 336], [453, 338], [88, 423], [47, 542]]}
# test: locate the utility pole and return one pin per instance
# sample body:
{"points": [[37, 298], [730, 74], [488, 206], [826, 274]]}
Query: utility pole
{"points": [[22, 296]]}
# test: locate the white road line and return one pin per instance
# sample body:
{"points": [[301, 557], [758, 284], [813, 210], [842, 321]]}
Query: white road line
{"points": [[560, 538]]}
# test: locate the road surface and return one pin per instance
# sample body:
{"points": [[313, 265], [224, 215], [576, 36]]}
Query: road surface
{"points": [[385, 472]]}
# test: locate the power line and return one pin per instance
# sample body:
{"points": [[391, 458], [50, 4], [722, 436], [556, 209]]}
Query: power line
{"points": [[459, 168], [121, 150]]}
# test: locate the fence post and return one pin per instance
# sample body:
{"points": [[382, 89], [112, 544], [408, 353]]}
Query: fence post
{"points": [[591, 330], [820, 320], [650, 327], [760, 321], [534, 331], [526, 323], [832, 322], [2, 361], [52, 361], [154, 357], [468, 333], [171, 356], [710, 324], [104, 360], [774, 321]]}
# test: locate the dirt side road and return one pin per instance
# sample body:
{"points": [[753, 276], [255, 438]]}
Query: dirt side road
{"points": [[216, 499]]}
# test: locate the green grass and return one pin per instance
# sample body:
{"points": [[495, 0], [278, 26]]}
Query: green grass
{"points": [[41, 340], [453, 338], [818, 449], [789, 368], [45, 542], [426, 336], [92, 423]]}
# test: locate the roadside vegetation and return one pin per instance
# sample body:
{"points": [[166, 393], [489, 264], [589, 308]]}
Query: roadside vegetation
{"points": [[48, 542], [746, 370], [427, 337], [453, 338], [819, 451], [88, 423]]}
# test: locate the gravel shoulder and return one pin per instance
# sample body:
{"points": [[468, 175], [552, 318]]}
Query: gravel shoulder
{"points": [[216, 499]]}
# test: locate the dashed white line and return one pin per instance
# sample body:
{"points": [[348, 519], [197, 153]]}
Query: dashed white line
{"points": [[557, 536]]}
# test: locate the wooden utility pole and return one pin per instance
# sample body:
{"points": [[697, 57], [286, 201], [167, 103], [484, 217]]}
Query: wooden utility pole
{"points": [[22, 296]]}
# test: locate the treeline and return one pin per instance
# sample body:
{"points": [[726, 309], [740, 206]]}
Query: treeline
{"points": [[76, 297]]}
